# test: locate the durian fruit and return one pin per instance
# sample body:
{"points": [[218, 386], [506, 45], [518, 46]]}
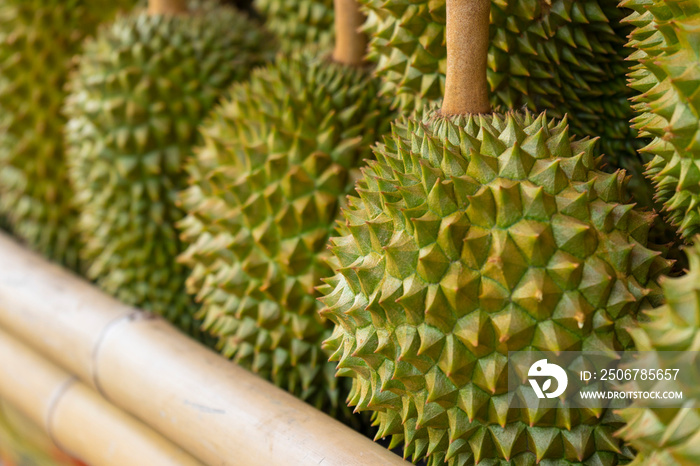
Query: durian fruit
{"points": [[474, 234], [665, 40], [299, 22], [38, 39], [669, 436], [562, 56], [143, 86], [280, 155]]}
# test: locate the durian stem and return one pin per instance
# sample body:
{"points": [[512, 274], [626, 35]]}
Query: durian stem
{"points": [[167, 7], [466, 88], [350, 43]]}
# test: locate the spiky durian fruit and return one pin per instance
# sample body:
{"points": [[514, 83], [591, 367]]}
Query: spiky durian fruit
{"points": [[473, 236], [38, 39], [297, 23], [267, 186], [563, 56], [666, 42], [670, 436], [143, 86]]}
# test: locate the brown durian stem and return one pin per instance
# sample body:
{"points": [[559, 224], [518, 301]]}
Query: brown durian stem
{"points": [[350, 43], [466, 88], [167, 7]]}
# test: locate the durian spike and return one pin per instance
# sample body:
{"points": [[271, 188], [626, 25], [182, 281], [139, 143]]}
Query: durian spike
{"points": [[466, 88], [167, 7], [350, 43]]}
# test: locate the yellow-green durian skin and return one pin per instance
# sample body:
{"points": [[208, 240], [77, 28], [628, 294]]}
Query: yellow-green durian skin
{"points": [[280, 155], [470, 237], [298, 23], [143, 87], [38, 40], [666, 74], [670, 436]]}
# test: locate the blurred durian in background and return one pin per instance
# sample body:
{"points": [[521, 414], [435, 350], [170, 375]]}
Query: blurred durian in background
{"points": [[142, 88], [38, 41]]}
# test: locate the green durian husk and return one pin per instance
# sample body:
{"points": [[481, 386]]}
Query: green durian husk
{"points": [[38, 40], [142, 88], [563, 56], [670, 436], [279, 157], [471, 237], [299, 23], [665, 40]]}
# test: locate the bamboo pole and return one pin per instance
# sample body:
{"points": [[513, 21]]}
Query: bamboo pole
{"points": [[466, 87], [350, 43], [77, 419], [217, 411], [167, 7]]}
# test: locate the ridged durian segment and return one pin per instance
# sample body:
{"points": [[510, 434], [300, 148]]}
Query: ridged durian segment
{"points": [[666, 77], [38, 39], [143, 87], [299, 22], [471, 237], [670, 436], [280, 155], [564, 56]]}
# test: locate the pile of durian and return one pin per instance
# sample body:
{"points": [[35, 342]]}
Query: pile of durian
{"points": [[371, 202]]}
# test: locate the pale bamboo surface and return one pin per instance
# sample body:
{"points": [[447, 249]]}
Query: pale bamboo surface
{"points": [[167, 7], [32, 289], [218, 412], [76, 418], [466, 87], [350, 43]]}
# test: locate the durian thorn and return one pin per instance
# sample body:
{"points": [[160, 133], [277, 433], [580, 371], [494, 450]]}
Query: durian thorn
{"points": [[350, 43], [167, 7]]}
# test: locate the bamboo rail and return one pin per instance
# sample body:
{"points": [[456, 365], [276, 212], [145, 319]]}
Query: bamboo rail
{"points": [[218, 412], [78, 420]]}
